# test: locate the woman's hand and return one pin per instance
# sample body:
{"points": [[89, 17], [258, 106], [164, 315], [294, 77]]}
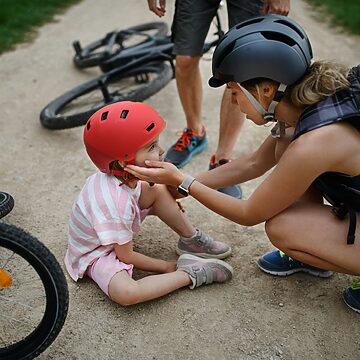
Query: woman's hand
{"points": [[159, 172]]}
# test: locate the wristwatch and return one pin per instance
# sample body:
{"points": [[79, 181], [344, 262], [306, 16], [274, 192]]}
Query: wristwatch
{"points": [[183, 188]]}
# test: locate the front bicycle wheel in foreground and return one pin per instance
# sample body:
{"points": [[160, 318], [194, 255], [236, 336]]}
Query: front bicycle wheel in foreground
{"points": [[33, 295], [76, 106]]}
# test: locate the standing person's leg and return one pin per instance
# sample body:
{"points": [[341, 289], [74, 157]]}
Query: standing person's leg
{"points": [[231, 121], [189, 85], [191, 23], [231, 118]]}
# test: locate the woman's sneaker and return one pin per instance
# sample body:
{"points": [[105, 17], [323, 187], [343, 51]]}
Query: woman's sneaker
{"points": [[204, 271], [203, 245], [278, 263], [351, 296]]}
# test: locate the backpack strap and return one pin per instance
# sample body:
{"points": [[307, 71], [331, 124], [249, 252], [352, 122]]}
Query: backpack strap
{"points": [[341, 213]]}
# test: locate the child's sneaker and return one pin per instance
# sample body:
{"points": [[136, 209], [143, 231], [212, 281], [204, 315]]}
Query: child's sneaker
{"points": [[203, 245], [278, 263], [188, 145], [351, 296], [204, 271]]}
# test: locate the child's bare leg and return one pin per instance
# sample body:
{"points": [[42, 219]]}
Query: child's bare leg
{"points": [[126, 291], [165, 207]]}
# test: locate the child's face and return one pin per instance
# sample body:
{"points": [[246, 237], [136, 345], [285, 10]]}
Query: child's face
{"points": [[151, 151]]}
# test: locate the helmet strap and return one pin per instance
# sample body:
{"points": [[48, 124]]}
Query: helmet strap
{"points": [[125, 176], [279, 129]]}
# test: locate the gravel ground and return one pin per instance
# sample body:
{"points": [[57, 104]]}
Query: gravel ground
{"points": [[254, 316]]}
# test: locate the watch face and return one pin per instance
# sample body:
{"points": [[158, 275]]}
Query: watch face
{"points": [[182, 191]]}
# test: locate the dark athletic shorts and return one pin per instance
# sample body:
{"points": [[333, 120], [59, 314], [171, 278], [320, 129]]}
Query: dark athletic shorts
{"points": [[192, 21]]}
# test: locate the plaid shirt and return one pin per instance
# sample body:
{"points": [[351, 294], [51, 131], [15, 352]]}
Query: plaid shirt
{"points": [[342, 106], [342, 191]]}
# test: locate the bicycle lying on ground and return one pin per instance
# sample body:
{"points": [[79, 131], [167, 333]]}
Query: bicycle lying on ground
{"points": [[135, 65], [33, 292]]}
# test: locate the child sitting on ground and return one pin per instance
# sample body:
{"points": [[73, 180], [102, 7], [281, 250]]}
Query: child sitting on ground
{"points": [[112, 204]]}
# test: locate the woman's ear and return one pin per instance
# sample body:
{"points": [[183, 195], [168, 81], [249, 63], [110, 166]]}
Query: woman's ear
{"points": [[268, 89]]}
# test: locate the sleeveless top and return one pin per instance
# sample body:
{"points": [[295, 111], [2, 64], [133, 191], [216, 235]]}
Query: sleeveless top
{"points": [[342, 191]]}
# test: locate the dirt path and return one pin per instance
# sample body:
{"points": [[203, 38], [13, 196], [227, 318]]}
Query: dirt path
{"points": [[254, 316]]}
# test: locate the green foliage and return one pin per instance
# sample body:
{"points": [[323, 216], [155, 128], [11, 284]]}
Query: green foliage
{"points": [[345, 13], [19, 18]]}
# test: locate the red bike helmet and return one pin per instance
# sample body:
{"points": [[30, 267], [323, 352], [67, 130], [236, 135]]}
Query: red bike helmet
{"points": [[118, 130]]}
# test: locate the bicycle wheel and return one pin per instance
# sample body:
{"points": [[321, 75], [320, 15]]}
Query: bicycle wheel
{"points": [[158, 50], [33, 295], [76, 106], [6, 203], [116, 41]]}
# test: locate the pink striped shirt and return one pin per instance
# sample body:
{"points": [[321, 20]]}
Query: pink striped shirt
{"points": [[104, 214]]}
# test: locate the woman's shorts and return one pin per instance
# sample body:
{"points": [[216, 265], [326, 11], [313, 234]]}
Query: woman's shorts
{"points": [[192, 21], [104, 268]]}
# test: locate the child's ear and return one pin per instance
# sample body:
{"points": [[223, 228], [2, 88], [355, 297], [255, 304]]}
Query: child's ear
{"points": [[122, 163]]}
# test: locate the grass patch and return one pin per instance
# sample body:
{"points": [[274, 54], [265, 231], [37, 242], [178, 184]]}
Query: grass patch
{"points": [[344, 13], [20, 18]]}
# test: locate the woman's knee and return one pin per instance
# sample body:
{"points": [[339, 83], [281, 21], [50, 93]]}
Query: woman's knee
{"points": [[272, 230], [278, 229]]}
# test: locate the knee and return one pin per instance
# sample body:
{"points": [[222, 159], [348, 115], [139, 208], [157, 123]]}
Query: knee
{"points": [[125, 296], [275, 231], [186, 64]]}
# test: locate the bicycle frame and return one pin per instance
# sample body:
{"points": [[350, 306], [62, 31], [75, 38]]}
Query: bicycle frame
{"points": [[134, 73], [159, 49]]}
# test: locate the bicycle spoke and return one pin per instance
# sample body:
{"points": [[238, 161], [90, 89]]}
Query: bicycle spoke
{"points": [[16, 302], [20, 315]]}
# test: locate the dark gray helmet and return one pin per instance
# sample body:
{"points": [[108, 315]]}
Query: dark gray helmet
{"points": [[270, 46]]}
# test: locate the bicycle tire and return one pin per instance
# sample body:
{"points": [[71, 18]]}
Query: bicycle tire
{"points": [[159, 50], [49, 271], [54, 116], [6, 203], [113, 43]]}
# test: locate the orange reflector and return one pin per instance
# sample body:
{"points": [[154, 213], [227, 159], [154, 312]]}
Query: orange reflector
{"points": [[5, 279]]}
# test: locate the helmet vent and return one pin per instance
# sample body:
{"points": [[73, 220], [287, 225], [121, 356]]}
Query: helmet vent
{"points": [[150, 127], [251, 21], [88, 125], [290, 25], [270, 35], [104, 115], [124, 114]]}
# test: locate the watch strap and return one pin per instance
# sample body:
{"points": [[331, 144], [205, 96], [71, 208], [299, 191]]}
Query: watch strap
{"points": [[184, 186]]}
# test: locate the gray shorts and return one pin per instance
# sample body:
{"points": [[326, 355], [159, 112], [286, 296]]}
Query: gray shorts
{"points": [[192, 21]]}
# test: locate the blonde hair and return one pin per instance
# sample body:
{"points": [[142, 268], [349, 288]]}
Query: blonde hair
{"points": [[322, 79]]}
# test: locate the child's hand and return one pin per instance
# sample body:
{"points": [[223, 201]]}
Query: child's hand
{"points": [[158, 172]]}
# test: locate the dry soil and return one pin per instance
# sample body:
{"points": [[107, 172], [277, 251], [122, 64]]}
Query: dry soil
{"points": [[255, 316]]}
